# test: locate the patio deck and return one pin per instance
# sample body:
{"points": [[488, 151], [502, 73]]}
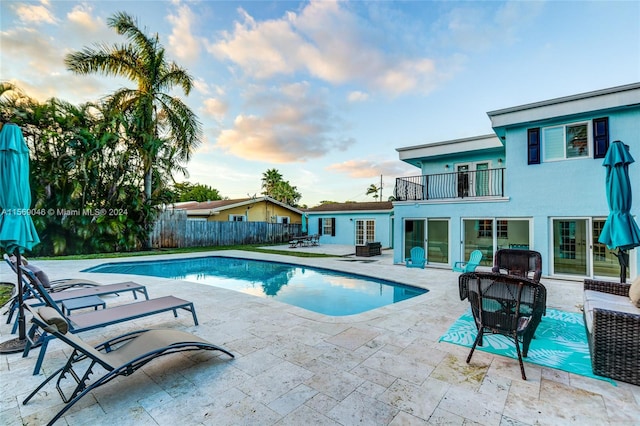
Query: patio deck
{"points": [[294, 367]]}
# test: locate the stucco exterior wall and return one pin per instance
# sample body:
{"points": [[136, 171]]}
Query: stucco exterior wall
{"points": [[570, 188], [258, 212], [345, 227]]}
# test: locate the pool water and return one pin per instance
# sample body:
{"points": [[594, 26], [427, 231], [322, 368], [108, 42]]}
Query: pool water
{"points": [[318, 290]]}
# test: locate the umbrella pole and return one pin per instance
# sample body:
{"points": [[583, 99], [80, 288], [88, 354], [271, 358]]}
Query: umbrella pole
{"points": [[22, 333], [623, 258]]}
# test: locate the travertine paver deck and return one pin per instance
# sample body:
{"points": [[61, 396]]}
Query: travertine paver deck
{"points": [[295, 367]]}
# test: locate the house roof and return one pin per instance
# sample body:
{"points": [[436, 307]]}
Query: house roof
{"points": [[605, 99], [374, 206], [413, 154], [215, 207]]}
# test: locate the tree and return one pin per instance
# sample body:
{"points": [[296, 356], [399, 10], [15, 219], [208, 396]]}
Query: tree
{"points": [[195, 192], [270, 179], [286, 193], [78, 168], [276, 187], [373, 189], [160, 127]]}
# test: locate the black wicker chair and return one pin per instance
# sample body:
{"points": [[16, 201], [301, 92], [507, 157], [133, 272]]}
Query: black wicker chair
{"points": [[504, 304], [614, 336], [523, 263]]}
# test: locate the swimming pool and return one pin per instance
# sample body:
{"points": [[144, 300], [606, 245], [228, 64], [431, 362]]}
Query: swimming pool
{"points": [[318, 290]]}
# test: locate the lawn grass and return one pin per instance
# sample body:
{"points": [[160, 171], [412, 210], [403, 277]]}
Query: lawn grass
{"points": [[5, 293], [254, 248]]}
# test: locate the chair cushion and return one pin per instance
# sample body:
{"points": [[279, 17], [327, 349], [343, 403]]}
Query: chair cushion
{"points": [[53, 317], [634, 292], [40, 275], [616, 304]]}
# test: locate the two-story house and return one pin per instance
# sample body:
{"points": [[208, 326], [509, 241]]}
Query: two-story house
{"points": [[538, 182]]}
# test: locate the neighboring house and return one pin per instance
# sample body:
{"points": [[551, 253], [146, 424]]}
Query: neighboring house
{"points": [[352, 223], [263, 209], [537, 183]]}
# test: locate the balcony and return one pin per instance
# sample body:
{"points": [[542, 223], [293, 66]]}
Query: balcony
{"points": [[487, 183]]}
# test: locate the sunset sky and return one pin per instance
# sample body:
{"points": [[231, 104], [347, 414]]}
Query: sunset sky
{"points": [[326, 91]]}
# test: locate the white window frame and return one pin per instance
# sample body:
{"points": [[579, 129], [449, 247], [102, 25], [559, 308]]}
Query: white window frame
{"points": [[368, 231], [237, 218], [327, 229], [544, 142], [283, 219]]}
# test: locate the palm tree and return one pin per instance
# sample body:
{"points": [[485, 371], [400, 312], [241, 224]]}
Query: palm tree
{"points": [[160, 126], [270, 180], [373, 189]]}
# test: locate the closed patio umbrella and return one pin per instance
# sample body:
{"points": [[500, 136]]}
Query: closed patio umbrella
{"points": [[620, 230], [303, 228], [17, 232]]}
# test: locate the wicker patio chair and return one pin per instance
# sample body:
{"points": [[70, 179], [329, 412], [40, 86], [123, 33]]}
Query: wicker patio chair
{"points": [[523, 263], [504, 304], [613, 331]]}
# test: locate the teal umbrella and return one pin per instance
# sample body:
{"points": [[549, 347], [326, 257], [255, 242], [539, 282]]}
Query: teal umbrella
{"points": [[304, 224], [620, 230], [17, 232]]}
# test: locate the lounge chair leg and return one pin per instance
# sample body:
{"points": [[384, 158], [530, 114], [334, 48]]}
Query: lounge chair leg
{"points": [[195, 318]]}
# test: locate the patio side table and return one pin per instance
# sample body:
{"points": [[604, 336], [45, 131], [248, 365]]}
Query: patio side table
{"points": [[83, 302]]}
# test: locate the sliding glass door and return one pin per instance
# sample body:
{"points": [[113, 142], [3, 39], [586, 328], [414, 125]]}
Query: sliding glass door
{"points": [[576, 250]]}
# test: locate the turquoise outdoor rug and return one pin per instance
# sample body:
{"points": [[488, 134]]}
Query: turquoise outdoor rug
{"points": [[560, 342]]}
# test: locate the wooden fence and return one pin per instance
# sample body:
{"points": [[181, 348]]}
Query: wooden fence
{"points": [[173, 230]]}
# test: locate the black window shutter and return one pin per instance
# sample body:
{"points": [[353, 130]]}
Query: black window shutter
{"points": [[533, 146], [600, 137], [320, 228], [333, 226]]}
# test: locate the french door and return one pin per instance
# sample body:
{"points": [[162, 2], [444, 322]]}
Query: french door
{"points": [[473, 179], [576, 250]]}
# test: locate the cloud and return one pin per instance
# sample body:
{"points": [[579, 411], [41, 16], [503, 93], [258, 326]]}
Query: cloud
{"points": [[215, 108], [483, 26], [182, 43], [328, 41], [357, 96], [370, 169], [288, 123], [81, 16], [35, 14]]}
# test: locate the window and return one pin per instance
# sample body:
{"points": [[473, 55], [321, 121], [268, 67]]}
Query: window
{"points": [[365, 231], [282, 219], [327, 226], [485, 228], [236, 218], [502, 228], [565, 142], [576, 140]]}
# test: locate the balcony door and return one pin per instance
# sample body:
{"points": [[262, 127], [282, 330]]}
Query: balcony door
{"points": [[473, 179]]}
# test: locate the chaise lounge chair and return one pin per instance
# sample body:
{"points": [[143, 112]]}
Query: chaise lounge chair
{"points": [[474, 261], [417, 259], [73, 292], [120, 356], [50, 285], [101, 318]]}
